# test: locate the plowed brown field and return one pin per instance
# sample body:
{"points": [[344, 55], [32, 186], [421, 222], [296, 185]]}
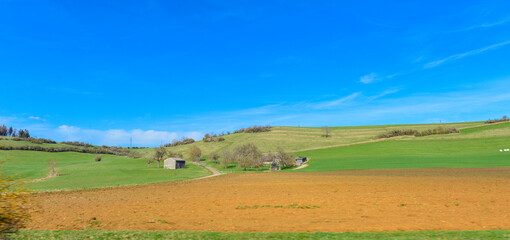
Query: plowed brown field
{"points": [[365, 200]]}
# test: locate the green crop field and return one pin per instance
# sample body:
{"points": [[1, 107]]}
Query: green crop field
{"points": [[78, 170], [110, 235], [412, 154], [473, 147]]}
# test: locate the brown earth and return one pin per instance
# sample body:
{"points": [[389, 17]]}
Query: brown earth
{"points": [[364, 200]]}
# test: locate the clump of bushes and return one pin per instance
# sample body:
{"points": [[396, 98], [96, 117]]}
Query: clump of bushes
{"points": [[96, 150], [195, 153], [213, 138], [416, 133], [438, 130], [397, 132], [32, 140], [176, 142], [214, 157], [503, 119], [254, 129], [78, 144]]}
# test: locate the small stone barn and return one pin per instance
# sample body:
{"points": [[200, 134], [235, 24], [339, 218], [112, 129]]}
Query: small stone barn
{"points": [[301, 160], [174, 163]]}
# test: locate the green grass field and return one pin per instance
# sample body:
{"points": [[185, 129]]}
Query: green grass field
{"points": [[416, 153], [474, 147], [110, 235], [79, 171]]}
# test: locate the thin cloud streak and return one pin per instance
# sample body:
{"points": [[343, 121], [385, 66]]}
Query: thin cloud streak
{"points": [[373, 77], [337, 102], [37, 118], [463, 55], [485, 25]]}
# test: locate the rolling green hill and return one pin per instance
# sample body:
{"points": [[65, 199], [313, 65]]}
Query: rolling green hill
{"points": [[477, 145], [296, 139]]}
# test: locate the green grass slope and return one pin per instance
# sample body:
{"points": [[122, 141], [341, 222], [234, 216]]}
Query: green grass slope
{"points": [[422, 153], [474, 147], [79, 171]]}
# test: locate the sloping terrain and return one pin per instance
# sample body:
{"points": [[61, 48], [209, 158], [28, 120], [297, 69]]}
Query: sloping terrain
{"points": [[473, 147], [79, 170], [295, 139]]}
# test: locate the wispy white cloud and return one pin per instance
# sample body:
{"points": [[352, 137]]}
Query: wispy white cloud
{"points": [[463, 55], [369, 78], [37, 118], [116, 137], [485, 25], [384, 93], [337, 102]]}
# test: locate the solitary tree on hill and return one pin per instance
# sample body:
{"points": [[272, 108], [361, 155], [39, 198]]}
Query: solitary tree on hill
{"points": [[160, 154], [326, 131]]}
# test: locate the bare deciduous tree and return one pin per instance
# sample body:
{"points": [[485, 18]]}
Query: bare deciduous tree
{"points": [[160, 154], [286, 159], [248, 156], [326, 132], [214, 157], [52, 166], [226, 158], [195, 153]]}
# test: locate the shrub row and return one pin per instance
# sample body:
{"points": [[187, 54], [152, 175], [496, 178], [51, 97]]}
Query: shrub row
{"points": [[32, 140], [101, 150], [416, 133], [212, 138], [176, 142], [254, 129], [398, 132], [78, 144], [503, 119]]}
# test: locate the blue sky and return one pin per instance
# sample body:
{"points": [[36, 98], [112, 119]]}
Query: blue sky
{"points": [[105, 71]]}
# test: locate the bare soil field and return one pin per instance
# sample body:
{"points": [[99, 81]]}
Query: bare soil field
{"points": [[363, 200]]}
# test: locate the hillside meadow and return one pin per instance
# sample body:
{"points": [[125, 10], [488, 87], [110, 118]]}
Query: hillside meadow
{"points": [[80, 171], [296, 139], [473, 147]]}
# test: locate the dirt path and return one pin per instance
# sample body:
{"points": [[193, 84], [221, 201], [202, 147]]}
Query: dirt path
{"points": [[302, 166], [214, 171], [362, 200]]}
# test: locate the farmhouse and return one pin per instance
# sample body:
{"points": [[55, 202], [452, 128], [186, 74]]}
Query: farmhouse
{"points": [[301, 160], [174, 163]]}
